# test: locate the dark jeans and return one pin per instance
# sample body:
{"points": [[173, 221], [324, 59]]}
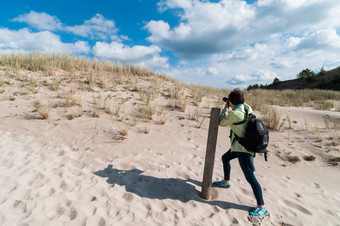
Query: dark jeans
{"points": [[247, 165]]}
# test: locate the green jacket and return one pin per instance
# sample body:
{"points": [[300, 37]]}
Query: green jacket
{"points": [[236, 115]]}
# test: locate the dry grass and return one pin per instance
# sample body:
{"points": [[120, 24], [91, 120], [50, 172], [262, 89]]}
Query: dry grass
{"points": [[117, 108], [97, 102], [327, 121], [271, 118], [42, 109], [146, 130], [296, 98], [293, 159], [317, 134], [11, 98], [289, 121], [53, 62], [180, 104], [335, 138], [56, 82], [123, 130], [162, 118], [145, 95], [195, 115], [323, 105], [77, 113], [200, 122], [94, 77], [147, 112]]}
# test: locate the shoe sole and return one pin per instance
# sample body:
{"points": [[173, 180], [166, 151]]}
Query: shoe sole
{"points": [[220, 186]]}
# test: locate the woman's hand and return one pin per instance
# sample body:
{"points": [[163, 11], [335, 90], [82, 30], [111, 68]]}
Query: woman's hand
{"points": [[226, 106]]}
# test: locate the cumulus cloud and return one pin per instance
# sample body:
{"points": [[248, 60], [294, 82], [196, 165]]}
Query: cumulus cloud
{"points": [[98, 27], [213, 27], [205, 28], [42, 21], [23, 40], [247, 53], [323, 39], [144, 55], [249, 43], [258, 76]]}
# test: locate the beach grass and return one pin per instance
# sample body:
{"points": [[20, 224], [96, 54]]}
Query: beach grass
{"points": [[68, 75]]}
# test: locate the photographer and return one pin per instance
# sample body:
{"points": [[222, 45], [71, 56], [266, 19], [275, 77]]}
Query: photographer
{"points": [[235, 100]]}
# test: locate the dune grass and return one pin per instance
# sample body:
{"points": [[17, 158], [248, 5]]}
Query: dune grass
{"points": [[42, 109], [297, 98], [323, 105], [68, 75], [271, 118]]}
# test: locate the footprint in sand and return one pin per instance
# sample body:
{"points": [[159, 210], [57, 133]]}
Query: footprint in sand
{"points": [[317, 185], [128, 197], [195, 146], [297, 207]]}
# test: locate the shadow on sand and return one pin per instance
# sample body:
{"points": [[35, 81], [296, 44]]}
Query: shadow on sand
{"points": [[160, 188]]}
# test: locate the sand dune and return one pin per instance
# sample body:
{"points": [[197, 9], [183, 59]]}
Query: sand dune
{"points": [[75, 172]]}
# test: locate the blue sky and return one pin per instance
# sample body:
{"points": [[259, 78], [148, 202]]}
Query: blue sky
{"points": [[220, 43]]}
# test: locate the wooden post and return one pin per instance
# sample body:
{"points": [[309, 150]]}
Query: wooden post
{"points": [[210, 154]]}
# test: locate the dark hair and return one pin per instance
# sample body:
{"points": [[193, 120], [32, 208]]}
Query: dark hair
{"points": [[236, 97]]}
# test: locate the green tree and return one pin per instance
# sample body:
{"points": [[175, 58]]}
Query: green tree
{"points": [[322, 72], [306, 73], [276, 81]]}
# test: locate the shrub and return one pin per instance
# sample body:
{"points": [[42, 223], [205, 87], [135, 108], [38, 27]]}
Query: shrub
{"points": [[309, 158], [334, 160], [293, 159]]}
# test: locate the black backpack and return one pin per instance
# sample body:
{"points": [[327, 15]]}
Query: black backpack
{"points": [[256, 137]]}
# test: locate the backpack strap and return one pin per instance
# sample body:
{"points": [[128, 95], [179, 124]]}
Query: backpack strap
{"points": [[245, 118], [240, 123]]}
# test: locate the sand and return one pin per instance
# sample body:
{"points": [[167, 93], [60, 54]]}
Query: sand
{"points": [[76, 172]]}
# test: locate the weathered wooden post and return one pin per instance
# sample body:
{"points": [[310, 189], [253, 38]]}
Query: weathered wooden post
{"points": [[210, 154]]}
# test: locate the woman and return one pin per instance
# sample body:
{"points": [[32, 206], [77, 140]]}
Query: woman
{"points": [[245, 158]]}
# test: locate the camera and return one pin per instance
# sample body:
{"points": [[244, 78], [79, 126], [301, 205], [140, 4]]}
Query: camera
{"points": [[225, 99]]}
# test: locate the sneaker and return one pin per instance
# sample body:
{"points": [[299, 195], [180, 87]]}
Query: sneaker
{"points": [[258, 212], [221, 184]]}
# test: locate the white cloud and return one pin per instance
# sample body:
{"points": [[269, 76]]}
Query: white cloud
{"points": [[322, 39], [144, 55], [42, 21], [23, 40], [205, 28], [170, 4], [96, 28], [159, 30], [247, 53], [214, 27], [249, 43], [258, 76]]}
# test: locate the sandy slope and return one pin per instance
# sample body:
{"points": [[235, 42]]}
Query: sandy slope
{"points": [[74, 172]]}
